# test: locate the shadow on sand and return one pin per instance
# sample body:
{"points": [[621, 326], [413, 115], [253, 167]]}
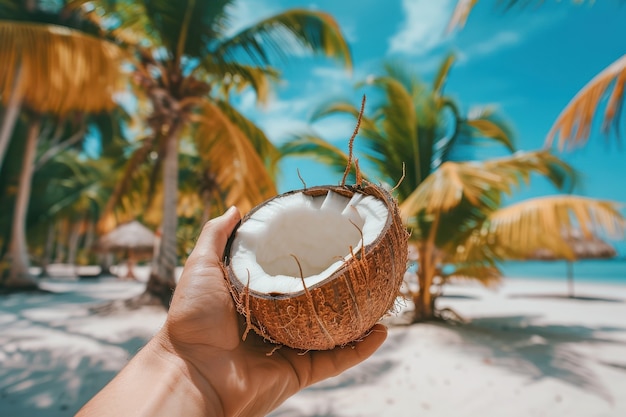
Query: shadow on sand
{"points": [[53, 355], [541, 351], [368, 372]]}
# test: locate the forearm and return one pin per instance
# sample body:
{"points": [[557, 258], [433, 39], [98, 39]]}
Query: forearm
{"points": [[154, 383]]}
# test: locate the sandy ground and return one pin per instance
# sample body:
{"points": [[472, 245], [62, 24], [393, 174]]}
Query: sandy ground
{"points": [[525, 351]]}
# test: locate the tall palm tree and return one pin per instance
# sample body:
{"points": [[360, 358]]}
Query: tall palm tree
{"points": [[188, 64], [410, 133], [58, 64], [573, 125]]}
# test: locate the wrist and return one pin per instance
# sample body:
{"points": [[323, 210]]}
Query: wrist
{"points": [[156, 382], [189, 393]]}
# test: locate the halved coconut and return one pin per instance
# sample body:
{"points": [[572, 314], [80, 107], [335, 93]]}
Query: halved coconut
{"points": [[317, 268]]}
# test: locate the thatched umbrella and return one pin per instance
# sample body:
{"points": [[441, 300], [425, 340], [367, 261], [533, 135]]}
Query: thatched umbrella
{"points": [[582, 247], [132, 237]]}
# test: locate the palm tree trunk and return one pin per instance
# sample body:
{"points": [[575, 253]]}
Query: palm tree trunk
{"points": [[73, 246], [47, 253], [423, 299], [162, 276], [19, 276], [11, 113], [424, 302]]}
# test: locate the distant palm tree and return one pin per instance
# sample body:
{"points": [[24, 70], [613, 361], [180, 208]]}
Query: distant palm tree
{"points": [[463, 233], [449, 205], [413, 130], [573, 125], [188, 63], [411, 134], [47, 71], [67, 184]]}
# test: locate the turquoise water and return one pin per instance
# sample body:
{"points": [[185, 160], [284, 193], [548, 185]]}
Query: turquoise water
{"points": [[608, 271]]}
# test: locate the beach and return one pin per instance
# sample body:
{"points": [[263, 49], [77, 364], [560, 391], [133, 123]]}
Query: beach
{"points": [[524, 350]]}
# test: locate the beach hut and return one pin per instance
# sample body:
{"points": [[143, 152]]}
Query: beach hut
{"points": [[133, 238], [582, 247]]}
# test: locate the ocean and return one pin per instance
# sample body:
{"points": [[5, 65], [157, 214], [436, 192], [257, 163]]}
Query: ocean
{"points": [[591, 270]]}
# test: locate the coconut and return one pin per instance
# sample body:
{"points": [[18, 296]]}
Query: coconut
{"points": [[317, 268]]}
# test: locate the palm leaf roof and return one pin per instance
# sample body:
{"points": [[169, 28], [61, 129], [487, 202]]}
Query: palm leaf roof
{"points": [[546, 223]]}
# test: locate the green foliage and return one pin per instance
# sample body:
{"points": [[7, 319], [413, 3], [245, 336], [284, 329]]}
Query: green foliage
{"points": [[410, 133]]}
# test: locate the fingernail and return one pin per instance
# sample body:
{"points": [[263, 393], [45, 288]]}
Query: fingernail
{"points": [[231, 210]]}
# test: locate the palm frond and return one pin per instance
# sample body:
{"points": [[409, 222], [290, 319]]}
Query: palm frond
{"points": [[261, 143], [231, 158], [464, 7], [488, 127], [574, 123], [341, 106], [400, 143], [311, 145], [188, 27], [124, 21], [288, 33], [442, 74], [517, 231], [475, 182], [460, 14], [233, 76], [63, 70]]}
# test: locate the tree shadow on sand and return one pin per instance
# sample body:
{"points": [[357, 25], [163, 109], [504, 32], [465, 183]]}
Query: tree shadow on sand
{"points": [[368, 372], [541, 351], [53, 356]]}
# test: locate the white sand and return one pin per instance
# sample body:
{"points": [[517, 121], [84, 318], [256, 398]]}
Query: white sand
{"points": [[527, 352]]}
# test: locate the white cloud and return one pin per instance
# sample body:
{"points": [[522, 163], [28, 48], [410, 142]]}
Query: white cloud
{"points": [[494, 44], [423, 27], [333, 74]]}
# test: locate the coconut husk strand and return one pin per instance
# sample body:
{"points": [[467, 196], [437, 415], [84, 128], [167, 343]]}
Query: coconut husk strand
{"points": [[344, 301]]}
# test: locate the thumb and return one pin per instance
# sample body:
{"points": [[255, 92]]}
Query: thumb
{"points": [[212, 240]]}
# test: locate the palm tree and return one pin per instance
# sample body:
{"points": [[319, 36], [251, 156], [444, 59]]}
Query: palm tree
{"points": [[67, 185], [188, 63], [449, 206], [59, 65], [573, 125], [463, 233], [410, 133]]}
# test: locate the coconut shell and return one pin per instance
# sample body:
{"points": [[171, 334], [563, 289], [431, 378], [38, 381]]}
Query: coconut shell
{"points": [[341, 308]]}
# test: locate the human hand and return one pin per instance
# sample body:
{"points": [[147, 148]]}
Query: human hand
{"points": [[197, 364], [203, 328]]}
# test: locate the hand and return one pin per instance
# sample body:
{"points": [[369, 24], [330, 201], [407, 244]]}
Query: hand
{"points": [[205, 330], [197, 364]]}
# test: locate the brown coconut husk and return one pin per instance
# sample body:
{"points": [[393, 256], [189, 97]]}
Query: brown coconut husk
{"points": [[343, 307]]}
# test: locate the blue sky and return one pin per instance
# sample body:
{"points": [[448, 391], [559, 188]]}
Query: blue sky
{"points": [[527, 62]]}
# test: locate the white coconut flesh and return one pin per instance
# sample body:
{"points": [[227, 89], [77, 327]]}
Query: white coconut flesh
{"points": [[321, 232]]}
